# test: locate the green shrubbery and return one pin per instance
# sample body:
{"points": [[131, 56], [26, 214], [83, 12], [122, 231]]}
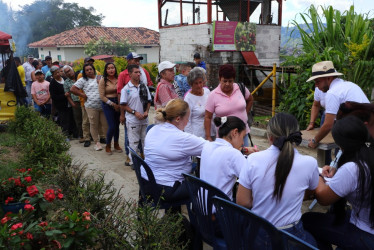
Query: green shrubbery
{"points": [[69, 207]]}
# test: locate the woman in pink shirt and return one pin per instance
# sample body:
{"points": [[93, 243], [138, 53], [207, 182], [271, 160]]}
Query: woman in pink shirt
{"points": [[227, 100]]}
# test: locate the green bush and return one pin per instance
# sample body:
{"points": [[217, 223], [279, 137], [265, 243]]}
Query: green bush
{"points": [[152, 70]]}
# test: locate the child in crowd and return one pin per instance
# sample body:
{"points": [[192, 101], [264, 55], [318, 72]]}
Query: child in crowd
{"points": [[40, 94]]}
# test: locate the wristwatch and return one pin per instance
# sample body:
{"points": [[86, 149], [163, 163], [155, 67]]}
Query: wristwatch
{"points": [[314, 141], [133, 112]]}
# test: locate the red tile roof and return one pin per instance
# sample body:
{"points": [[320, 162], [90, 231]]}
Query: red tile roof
{"points": [[82, 35]]}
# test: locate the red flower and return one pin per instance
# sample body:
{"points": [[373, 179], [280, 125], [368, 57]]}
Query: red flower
{"points": [[9, 199], [60, 196], [27, 201], [20, 232], [49, 195], [58, 244], [32, 190], [17, 182], [29, 170], [29, 207], [16, 226], [11, 179], [13, 234], [5, 220], [29, 236], [21, 170], [28, 178], [43, 224], [86, 216]]}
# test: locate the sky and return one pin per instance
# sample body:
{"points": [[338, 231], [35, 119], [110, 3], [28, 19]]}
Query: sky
{"points": [[143, 13]]}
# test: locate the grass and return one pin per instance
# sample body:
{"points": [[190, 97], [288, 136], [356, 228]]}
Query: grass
{"points": [[9, 155]]}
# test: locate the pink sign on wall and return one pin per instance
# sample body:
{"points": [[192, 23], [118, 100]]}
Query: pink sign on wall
{"points": [[234, 36]]}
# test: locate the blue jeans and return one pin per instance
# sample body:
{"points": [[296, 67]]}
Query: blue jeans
{"points": [[328, 158], [263, 239], [112, 118], [246, 141], [44, 110], [345, 235], [28, 90]]}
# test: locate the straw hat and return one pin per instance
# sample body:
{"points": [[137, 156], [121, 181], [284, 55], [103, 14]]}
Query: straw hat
{"points": [[323, 69]]}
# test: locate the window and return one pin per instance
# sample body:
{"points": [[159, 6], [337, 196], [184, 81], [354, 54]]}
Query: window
{"points": [[42, 56], [58, 57], [58, 48], [41, 48], [144, 58]]}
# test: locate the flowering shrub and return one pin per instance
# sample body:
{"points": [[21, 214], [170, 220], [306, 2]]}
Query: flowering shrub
{"points": [[11, 189]]}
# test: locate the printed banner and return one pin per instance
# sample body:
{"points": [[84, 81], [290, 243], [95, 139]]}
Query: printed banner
{"points": [[234, 36]]}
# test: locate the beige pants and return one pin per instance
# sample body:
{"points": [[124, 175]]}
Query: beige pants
{"points": [[86, 126], [98, 122]]}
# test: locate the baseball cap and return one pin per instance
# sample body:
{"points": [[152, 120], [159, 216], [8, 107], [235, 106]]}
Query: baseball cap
{"points": [[48, 58], [88, 59], [38, 72], [30, 56], [133, 55], [54, 68], [165, 65]]}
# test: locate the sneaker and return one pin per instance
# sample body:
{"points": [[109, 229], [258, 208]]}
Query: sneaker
{"points": [[98, 147], [87, 144], [108, 149], [103, 140]]}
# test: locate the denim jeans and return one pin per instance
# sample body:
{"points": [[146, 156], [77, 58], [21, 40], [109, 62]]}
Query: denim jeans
{"points": [[263, 239], [112, 117], [345, 235], [28, 91], [44, 110]]}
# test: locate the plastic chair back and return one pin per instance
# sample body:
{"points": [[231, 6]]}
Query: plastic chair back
{"points": [[201, 194], [242, 229], [138, 164], [290, 241]]}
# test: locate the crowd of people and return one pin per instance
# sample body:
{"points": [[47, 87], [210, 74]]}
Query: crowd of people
{"points": [[192, 121]]}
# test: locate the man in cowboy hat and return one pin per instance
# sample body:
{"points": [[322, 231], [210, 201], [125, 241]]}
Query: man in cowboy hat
{"points": [[337, 92]]}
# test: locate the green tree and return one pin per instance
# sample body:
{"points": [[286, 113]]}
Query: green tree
{"points": [[103, 46], [344, 38], [44, 18]]}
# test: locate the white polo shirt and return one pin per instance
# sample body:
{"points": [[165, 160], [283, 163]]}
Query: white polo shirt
{"points": [[341, 91], [130, 96], [258, 176], [221, 164], [319, 96], [168, 152]]}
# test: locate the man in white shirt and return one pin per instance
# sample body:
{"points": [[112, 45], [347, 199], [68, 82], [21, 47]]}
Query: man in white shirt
{"points": [[28, 69], [337, 92], [135, 101]]}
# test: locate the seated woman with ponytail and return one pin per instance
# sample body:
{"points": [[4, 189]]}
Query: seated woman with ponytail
{"points": [[274, 181], [168, 149], [353, 181], [221, 160]]}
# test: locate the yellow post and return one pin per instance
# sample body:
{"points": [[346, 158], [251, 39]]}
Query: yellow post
{"points": [[262, 83], [274, 72]]}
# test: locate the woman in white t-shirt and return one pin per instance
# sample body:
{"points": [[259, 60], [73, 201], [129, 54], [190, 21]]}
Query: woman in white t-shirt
{"points": [[168, 149], [353, 181], [221, 160], [89, 83], [274, 181], [196, 99]]}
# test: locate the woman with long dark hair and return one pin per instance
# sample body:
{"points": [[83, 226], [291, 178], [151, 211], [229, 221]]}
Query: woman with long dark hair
{"points": [[108, 96], [274, 181], [89, 83], [346, 228]]}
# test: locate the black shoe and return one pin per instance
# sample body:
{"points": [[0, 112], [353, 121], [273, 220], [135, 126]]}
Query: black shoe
{"points": [[103, 140], [87, 144]]}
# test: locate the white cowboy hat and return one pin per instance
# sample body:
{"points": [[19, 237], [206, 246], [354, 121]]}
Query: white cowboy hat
{"points": [[323, 69]]}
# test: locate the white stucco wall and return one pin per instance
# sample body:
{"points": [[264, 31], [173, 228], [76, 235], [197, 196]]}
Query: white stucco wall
{"points": [[179, 44], [152, 52], [71, 54]]}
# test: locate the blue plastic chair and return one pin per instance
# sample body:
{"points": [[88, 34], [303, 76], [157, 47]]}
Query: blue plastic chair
{"points": [[201, 215], [290, 241], [152, 194], [240, 227]]}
